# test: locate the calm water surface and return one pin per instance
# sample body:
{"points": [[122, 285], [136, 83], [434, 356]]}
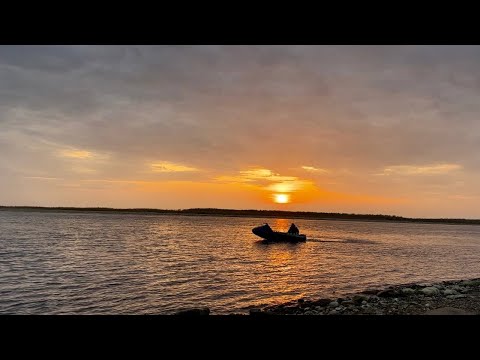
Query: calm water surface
{"points": [[94, 263]]}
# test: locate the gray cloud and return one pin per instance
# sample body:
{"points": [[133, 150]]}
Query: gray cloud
{"points": [[223, 108]]}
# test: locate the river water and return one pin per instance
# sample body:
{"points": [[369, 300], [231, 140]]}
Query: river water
{"points": [[114, 263]]}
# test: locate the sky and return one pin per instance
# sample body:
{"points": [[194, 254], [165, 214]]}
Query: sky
{"points": [[354, 129]]}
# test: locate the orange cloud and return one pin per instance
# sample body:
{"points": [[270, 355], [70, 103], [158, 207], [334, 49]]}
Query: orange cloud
{"points": [[314, 169], [76, 154], [434, 169], [259, 176], [166, 166], [270, 184]]}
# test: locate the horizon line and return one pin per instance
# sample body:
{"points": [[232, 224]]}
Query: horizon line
{"points": [[218, 210]]}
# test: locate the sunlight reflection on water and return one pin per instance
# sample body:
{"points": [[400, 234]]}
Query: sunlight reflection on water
{"points": [[93, 263]]}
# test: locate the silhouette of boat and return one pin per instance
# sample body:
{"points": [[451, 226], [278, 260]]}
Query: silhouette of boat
{"points": [[266, 232]]}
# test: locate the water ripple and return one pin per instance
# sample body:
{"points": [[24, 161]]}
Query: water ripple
{"points": [[91, 263]]}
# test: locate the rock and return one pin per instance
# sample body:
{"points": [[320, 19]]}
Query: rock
{"points": [[301, 301], [449, 292], [474, 282], [429, 291], [348, 303], [308, 313], [333, 312], [408, 291], [448, 311], [260, 312], [322, 302], [290, 310], [304, 305], [387, 293], [197, 311], [333, 304], [457, 296], [416, 286], [255, 311], [358, 299], [456, 287]]}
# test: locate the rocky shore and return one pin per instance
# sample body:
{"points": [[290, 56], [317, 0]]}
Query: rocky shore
{"points": [[443, 298]]}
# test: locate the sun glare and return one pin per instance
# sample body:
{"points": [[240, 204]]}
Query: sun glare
{"points": [[281, 198]]}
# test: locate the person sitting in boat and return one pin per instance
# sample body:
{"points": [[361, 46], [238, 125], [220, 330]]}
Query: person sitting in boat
{"points": [[293, 229]]}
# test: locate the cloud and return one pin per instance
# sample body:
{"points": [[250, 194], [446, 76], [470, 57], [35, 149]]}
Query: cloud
{"points": [[314, 169], [82, 155], [255, 175], [464, 197], [263, 174], [42, 178], [154, 93], [434, 169], [76, 154], [267, 180], [169, 167], [289, 186], [83, 170], [223, 108]]}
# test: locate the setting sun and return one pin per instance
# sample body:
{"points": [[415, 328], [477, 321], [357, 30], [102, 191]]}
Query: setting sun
{"points": [[281, 198]]}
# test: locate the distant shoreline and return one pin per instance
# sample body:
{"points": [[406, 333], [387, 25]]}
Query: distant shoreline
{"points": [[251, 213]]}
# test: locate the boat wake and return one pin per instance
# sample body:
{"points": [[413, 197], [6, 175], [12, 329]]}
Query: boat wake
{"points": [[319, 240], [344, 241]]}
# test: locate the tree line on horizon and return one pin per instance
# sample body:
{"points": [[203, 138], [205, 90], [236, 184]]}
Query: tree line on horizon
{"points": [[259, 213]]}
